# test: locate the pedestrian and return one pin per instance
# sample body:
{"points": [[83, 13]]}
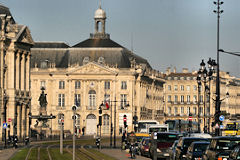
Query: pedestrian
{"points": [[83, 130]]}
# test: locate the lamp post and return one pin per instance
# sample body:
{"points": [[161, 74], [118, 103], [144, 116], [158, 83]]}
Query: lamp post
{"points": [[115, 118], [199, 85], [205, 76], [29, 127], [218, 103]]}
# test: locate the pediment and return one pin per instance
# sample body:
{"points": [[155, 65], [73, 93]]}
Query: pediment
{"points": [[24, 36], [92, 68]]}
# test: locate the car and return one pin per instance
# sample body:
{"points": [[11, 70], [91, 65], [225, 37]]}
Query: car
{"points": [[201, 135], [196, 150], [235, 154], [221, 147], [184, 143], [164, 141], [144, 146], [172, 150]]}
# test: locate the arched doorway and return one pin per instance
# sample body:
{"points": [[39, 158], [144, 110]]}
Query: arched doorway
{"points": [[105, 129], [91, 124]]}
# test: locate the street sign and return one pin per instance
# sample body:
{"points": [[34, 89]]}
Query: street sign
{"points": [[221, 118], [5, 125], [190, 118], [216, 126], [9, 119], [221, 126]]}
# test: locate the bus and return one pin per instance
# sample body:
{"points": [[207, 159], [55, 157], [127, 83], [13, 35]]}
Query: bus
{"points": [[174, 126], [232, 128], [143, 125], [158, 128]]}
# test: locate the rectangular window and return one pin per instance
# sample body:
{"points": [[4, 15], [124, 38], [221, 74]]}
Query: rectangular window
{"points": [[61, 84], [182, 98], [175, 98], [194, 87], [188, 98], [175, 110], [182, 110], [195, 99], [169, 87], [61, 100], [124, 85], [43, 84], [201, 110], [169, 98], [107, 98], [175, 87], [188, 111], [194, 110], [182, 87], [77, 100], [123, 100], [201, 99], [107, 85], [188, 88], [77, 84], [169, 110]]}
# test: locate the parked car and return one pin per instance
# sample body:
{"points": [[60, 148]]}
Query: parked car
{"points": [[172, 150], [144, 146], [196, 150], [183, 144], [163, 142], [221, 147], [235, 154]]}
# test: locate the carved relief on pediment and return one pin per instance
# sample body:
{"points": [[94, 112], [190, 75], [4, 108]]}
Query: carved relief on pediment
{"points": [[91, 69], [26, 37]]}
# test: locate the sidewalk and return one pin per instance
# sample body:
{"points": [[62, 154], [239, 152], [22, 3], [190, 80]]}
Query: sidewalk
{"points": [[121, 154], [7, 153]]}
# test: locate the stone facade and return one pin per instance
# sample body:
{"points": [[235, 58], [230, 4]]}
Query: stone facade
{"points": [[15, 98], [181, 97], [90, 73]]}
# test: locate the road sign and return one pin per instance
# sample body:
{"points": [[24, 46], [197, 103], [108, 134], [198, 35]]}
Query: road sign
{"points": [[221, 126], [9, 119], [190, 118], [5, 125], [216, 126], [221, 118]]}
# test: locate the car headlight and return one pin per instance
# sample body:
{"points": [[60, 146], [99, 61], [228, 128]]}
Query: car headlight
{"points": [[184, 156], [198, 158], [222, 158], [158, 150], [146, 149]]}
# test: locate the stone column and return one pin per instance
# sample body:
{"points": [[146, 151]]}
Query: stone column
{"points": [[18, 55], [28, 72], [23, 72], [15, 124], [24, 120], [20, 120], [20, 71]]}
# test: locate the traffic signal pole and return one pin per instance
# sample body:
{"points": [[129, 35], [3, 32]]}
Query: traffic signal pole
{"points": [[61, 138]]}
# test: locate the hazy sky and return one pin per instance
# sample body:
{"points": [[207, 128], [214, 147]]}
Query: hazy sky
{"points": [[167, 33]]}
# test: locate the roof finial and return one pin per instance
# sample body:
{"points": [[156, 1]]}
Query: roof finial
{"points": [[100, 4]]}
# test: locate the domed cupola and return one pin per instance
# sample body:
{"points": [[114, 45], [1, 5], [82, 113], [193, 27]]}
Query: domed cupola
{"points": [[100, 21], [100, 14]]}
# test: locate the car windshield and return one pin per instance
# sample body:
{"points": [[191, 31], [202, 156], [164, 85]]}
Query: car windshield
{"points": [[187, 142], [167, 138], [226, 144], [200, 147], [230, 127]]}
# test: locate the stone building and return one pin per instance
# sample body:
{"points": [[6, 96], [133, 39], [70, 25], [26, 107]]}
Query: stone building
{"points": [[181, 97], [92, 72], [15, 99]]}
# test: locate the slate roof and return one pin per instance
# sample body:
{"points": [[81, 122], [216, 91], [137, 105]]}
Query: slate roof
{"points": [[50, 45], [97, 42], [5, 10]]}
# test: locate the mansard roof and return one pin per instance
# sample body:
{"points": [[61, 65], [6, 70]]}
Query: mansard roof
{"points": [[98, 43], [50, 45]]}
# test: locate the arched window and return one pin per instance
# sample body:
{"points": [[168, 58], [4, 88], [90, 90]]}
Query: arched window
{"points": [[92, 99]]}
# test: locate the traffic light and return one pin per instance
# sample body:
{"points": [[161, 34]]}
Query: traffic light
{"points": [[100, 116], [125, 121]]}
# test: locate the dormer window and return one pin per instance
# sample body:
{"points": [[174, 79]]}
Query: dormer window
{"points": [[44, 64], [85, 60], [101, 60]]}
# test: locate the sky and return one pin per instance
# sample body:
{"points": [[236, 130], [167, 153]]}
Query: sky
{"points": [[168, 33]]}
